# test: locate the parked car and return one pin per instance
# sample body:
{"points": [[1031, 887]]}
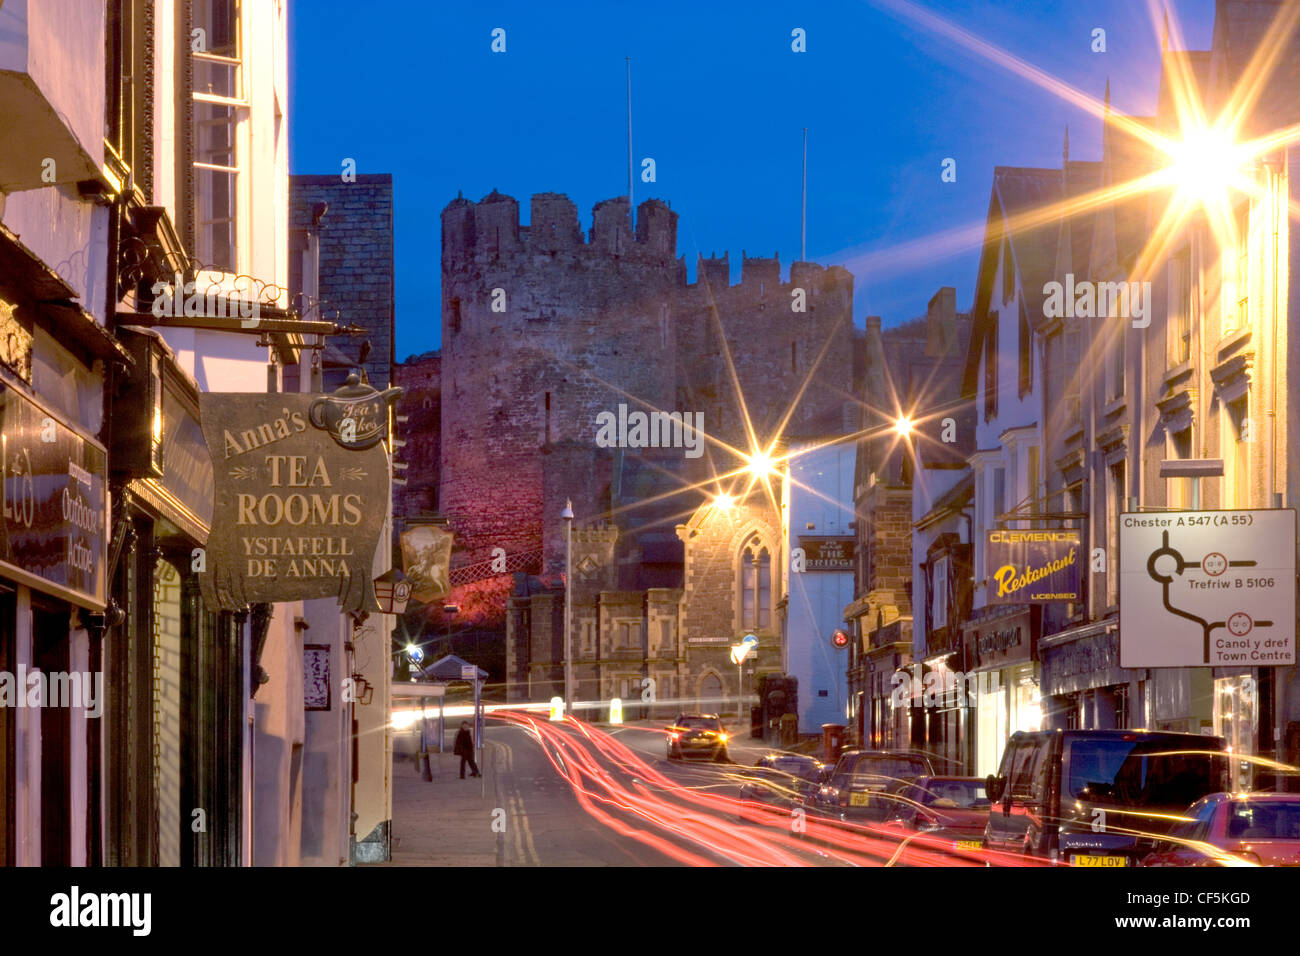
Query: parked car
{"points": [[1098, 797], [944, 808], [697, 735], [1259, 828], [780, 781], [863, 787]]}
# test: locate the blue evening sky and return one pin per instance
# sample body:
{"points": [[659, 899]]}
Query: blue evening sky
{"points": [[719, 101]]}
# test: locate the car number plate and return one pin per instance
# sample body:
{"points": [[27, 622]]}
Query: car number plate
{"points": [[860, 799], [1081, 860], [967, 845]]}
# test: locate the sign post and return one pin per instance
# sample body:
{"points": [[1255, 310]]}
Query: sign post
{"points": [[1207, 588], [302, 487], [1032, 566], [738, 654]]}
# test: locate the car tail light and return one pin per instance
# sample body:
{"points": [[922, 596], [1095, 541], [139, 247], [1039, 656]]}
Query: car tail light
{"points": [[674, 736]]}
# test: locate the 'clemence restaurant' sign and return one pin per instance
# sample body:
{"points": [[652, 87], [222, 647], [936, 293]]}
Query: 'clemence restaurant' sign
{"points": [[1032, 566], [53, 503], [301, 496]]}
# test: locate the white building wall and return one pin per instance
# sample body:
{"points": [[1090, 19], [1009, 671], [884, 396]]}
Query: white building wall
{"points": [[820, 493]]}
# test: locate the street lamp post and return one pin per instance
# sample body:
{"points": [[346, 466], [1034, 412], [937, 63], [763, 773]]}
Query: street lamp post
{"points": [[567, 515]]}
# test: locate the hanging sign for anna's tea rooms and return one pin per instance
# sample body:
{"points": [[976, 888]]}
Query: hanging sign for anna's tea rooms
{"points": [[301, 495]]}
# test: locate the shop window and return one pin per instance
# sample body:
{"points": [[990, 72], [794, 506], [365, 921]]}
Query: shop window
{"points": [[1121, 707], [1236, 720]]}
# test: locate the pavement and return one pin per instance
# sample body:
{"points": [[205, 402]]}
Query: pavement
{"points": [[519, 813]]}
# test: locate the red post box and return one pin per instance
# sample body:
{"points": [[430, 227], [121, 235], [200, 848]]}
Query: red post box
{"points": [[832, 741]]}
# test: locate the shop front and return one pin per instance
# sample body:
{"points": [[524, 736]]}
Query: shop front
{"points": [[893, 719], [1083, 685], [177, 726], [1003, 640]]}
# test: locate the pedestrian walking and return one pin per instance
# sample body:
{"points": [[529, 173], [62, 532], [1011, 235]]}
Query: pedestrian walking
{"points": [[464, 748]]}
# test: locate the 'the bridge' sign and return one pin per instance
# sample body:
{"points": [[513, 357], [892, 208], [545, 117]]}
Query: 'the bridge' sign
{"points": [[1207, 588]]}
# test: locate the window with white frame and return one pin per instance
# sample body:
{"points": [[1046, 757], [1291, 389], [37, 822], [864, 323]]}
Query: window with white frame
{"points": [[1114, 508], [1178, 491], [1239, 319], [220, 108], [1031, 482], [1179, 342], [1115, 359], [939, 592]]}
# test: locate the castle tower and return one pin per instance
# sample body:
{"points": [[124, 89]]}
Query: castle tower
{"points": [[541, 332]]}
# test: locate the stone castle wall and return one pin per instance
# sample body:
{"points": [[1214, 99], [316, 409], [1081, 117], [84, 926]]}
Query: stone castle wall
{"points": [[591, 322]]}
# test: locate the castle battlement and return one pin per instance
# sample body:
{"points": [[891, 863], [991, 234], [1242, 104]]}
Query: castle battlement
{"points": [[490, 228], [761, 278]]}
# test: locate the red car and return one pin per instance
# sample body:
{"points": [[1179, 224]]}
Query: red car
{"points": [[945, 808], [1258, 828]]}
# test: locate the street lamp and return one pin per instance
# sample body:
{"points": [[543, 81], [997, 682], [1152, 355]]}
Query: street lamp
{"points": [[738, 654], [567, 515]]}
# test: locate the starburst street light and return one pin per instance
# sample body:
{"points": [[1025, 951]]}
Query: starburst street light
{"points": [[760, 465], [903, 426], [723, 502], [1205, 163]]}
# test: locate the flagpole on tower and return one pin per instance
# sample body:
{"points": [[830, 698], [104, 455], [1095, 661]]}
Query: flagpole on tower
{"points": [[803, 226], [631, 206]]}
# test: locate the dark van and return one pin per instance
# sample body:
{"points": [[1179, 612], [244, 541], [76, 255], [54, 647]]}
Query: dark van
{"points": [[1098, 797]]}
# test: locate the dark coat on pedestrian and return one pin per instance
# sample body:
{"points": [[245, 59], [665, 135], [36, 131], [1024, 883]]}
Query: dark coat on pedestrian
{"points": [[464, 745]]}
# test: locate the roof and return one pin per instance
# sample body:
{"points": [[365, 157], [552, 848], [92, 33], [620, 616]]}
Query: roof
{"points": [[1017, 194], [448, 668]]}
